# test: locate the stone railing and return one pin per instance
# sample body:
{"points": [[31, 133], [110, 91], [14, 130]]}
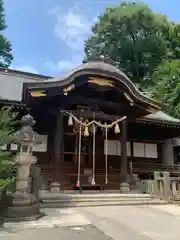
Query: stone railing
{"points": [[175, 187], [162, 186], [2, 207]]}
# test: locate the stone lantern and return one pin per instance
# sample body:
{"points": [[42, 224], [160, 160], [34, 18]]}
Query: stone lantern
{"points": [[24, 203]]}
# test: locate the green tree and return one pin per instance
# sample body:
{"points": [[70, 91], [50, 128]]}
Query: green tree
{"points": [[5, 45], [166, 88], [7, 123], [173, 41], [133, 37]]}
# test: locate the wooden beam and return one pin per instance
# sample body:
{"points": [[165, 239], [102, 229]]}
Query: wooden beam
{"points": [[96, 102], [67, 102]]}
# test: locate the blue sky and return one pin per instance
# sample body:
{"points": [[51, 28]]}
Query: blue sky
{"points": [[47, 35]]}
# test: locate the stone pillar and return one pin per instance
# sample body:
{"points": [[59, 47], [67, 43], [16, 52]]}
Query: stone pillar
{"points": [[162, 184], [23, 162], [24, 203], [124, 185], [174, 188], [55, 185], [168, 153]]}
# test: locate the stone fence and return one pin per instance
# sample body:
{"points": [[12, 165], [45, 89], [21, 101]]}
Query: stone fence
{"points": [[2, 206], [162, 186]]}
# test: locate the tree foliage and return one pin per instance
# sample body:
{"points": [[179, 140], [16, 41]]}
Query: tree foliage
{"points": [[143, 44], [166, 86], [133, 37], [173, 41], [7, 122], [5, 45]]}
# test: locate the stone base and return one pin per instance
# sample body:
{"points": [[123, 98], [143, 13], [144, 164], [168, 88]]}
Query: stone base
{"points": [[124, 187], [23, 212], [23, 199], [1, 222], [24, 219], [55, 187]]}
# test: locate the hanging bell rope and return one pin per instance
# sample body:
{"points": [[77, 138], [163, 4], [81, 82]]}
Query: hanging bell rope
{"points": [[106, 154], [94, 155], [79, 158]]}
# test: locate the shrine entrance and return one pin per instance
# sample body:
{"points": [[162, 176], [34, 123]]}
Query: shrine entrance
{"points": [[86, 130], [89, 107]]}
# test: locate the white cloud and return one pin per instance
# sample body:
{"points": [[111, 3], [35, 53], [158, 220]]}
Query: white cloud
{"points": [[64, 65], [26, 69], [72, 28], [60, 66]]}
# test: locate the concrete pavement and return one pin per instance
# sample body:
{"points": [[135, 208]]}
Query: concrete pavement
{"points": [[87, 232], [102, 223], [136, 222], [55, 219]]}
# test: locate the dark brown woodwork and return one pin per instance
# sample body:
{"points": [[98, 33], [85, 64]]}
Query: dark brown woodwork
{"points": [[102, 104], [58, 147], [66, 172], [124, 167], [99, 102], [110, 107], [95, 102]]}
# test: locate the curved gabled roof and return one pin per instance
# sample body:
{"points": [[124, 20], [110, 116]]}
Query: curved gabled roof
{"points": [[161, 116], [99, 68]]}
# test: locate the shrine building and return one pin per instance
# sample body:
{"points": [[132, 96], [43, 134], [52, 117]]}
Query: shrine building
{"points": [[98, 128]]}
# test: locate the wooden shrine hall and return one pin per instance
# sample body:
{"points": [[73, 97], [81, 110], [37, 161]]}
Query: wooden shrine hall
{"points": [[100, 129]]}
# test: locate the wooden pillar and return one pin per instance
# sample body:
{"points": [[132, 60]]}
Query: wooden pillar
{"points": [[124, 186], [124, 150], [58, 144]]}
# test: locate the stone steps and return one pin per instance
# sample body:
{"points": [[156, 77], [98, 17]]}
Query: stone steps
{"points": [[59, 200]]}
